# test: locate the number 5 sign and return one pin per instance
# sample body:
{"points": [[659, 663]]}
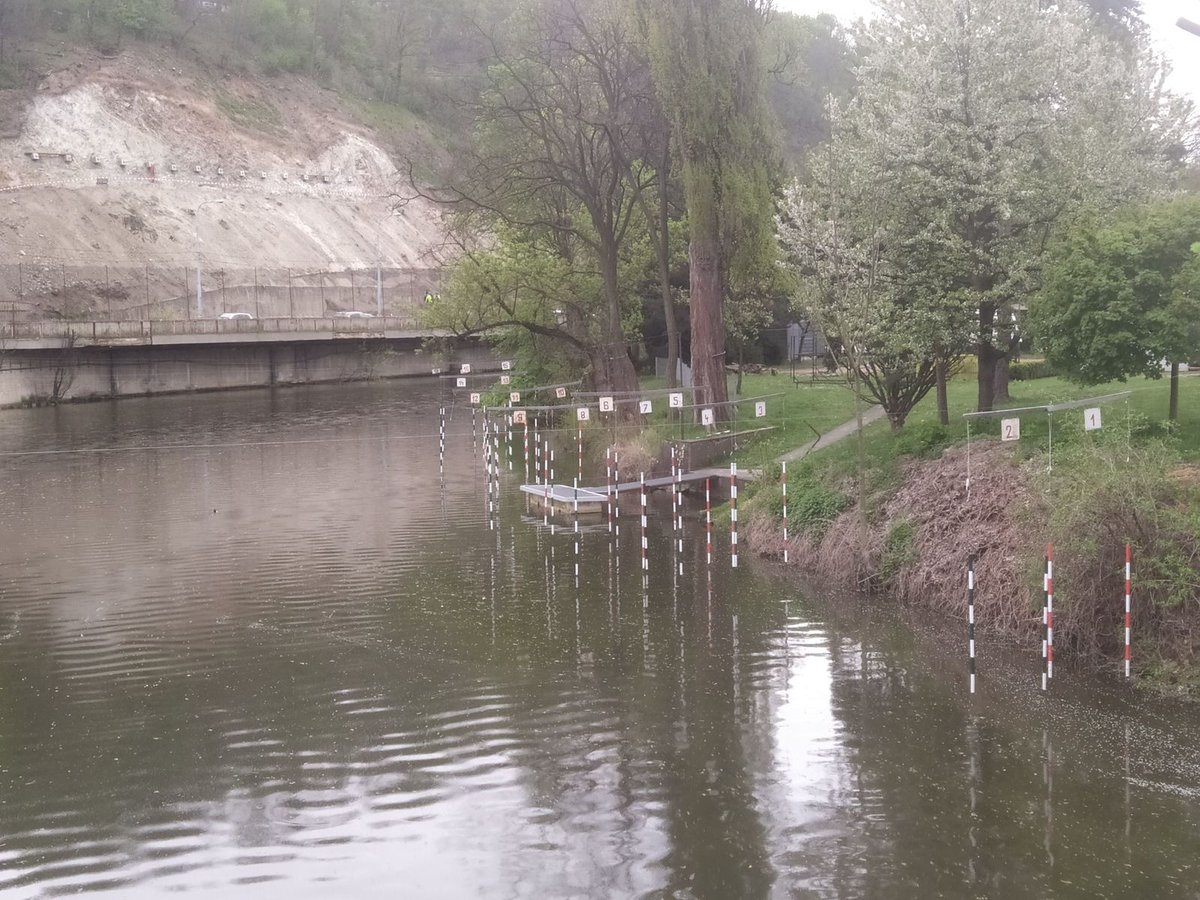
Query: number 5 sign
{"points": [[1010, 429], [675, 401]]}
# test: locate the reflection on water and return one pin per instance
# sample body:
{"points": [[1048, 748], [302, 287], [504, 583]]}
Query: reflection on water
{"points": [[280, 655]]}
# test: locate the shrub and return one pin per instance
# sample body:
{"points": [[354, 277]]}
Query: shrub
{"points": [[898, 550], [926, 440], [1027, 371]]}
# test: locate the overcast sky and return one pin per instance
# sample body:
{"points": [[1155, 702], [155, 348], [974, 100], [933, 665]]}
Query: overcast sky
{"points": [[1179, 47]]}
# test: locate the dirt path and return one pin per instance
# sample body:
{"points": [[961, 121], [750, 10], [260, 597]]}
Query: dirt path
{"points": [[833, 435]]}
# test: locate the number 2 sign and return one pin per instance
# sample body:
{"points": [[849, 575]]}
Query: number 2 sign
{"points": [[1010, 429]]}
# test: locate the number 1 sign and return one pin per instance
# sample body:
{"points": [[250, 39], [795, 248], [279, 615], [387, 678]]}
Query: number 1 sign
{"points": [[1091, 419]]}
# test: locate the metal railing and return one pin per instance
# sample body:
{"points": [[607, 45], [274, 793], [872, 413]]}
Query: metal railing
{"points": [[147, 329]]}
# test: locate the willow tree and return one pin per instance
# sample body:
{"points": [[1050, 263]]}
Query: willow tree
{"points": [[711, 79], [993, 122]]}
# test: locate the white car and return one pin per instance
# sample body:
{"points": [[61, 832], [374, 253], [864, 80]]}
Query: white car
{"points": [[238, 315], [353, 314]]}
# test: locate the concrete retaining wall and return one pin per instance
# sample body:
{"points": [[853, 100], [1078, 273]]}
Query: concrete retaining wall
{"points": [[99, 372]]}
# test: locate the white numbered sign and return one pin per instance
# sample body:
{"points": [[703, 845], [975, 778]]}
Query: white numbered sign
{"points": [[461, 382], [706, 417], [1091, 419], [475, 399], [606, 404], [675, 401], [465, 369], [437, 371], [519, 417], [514, 397], [583, 414], [645, 407], [1010, 429], [506, 379], [760, 409], [506, 365], [560, 393]]}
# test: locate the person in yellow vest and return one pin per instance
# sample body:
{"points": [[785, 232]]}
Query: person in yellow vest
{"points": [[428, 297]]}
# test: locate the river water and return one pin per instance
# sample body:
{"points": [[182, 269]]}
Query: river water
{"points": [[252, 645]]}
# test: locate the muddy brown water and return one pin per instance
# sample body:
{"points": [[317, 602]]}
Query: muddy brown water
{"points": [[251, 646]]}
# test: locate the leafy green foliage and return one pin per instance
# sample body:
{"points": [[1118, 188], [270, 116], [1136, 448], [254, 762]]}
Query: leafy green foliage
{"points": [[1028, 371], [899, 550], [1121, 297]]}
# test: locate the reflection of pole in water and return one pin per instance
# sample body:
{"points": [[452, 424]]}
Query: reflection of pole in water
{"points": [[1048, 779], [708, 526], [1127, 819], [576, 514], [492, 596], [737, 693], [733, 542], [972, 779]]}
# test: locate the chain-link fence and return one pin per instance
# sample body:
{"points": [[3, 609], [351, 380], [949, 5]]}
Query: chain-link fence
{"points": [[39, 291]]}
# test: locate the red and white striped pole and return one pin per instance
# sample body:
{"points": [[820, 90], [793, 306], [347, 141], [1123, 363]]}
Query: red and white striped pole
{"points": [[1045, 594], [708, 519], [783, 478], [527, 448], [580, 445], [576, 532], [1050, 612], [679, 510], [733, 543], [645, 561], [1128, 608]]}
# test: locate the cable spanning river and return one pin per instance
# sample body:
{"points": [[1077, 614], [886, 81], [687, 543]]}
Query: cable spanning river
{"points": [[251, 646]]}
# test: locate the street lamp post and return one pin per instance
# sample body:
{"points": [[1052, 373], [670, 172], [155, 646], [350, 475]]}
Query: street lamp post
{"points": [[199, 244]]}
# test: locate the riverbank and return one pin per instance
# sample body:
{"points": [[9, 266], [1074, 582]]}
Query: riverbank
{"points": [[902, 514]]}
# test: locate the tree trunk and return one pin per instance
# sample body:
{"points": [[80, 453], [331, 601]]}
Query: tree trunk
{"points": [[614, 370], [1000, 380], [986, 356], [708, 326], [1173, 407], [943, 401], [664, 270]]}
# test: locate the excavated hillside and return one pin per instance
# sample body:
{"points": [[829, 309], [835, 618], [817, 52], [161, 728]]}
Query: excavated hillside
{"points": [[119, 175]]}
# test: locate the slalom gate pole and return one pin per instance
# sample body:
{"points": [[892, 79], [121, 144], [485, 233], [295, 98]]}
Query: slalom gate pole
{"points": [[783, 478], [442, 442], [1045, 588], [608, 493], [645, 561], [474, 428], [1128, 606], [679, 510], [1050, 612], [508, 436], [537, 453], [576, 532], [579, 472], [526, 448], [733, 542], [971, 621], [708, 522]]}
